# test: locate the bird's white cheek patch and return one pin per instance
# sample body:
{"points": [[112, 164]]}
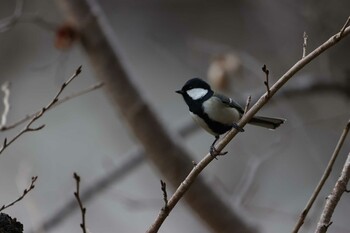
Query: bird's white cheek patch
{"points": [[197, 93]]}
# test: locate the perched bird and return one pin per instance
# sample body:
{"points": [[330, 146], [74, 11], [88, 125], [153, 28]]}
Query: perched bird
{"points": [[217, 113]]}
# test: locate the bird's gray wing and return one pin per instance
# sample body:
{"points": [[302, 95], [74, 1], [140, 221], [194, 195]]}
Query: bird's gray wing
{"points": [[229, 102]]}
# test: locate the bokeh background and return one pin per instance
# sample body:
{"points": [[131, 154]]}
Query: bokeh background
{"points": [[267, 175]]}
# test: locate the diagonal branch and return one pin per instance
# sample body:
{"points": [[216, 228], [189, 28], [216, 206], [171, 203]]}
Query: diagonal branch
{"points": [[186, 184], [334, 198], [324, 177]]}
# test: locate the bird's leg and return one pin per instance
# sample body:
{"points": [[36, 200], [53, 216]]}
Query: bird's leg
{"points": [[213, 151]]}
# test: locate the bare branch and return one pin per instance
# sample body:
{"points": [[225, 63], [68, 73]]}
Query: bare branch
{"points": [[305, 37], [25, 192], [324, 177], [28, 127], [77, 196], [334, 198], [185, 185], [5, 87], [60, 101], [266, 82]]}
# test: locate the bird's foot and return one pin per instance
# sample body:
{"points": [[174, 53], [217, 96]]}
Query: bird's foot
{"points": [[214, 152]]}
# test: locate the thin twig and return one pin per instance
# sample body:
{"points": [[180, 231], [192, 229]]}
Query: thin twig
{"points": [[60, 101], [165, 195], [334, 198], [186, 184], [28, 127], [5, 87], [344, 27], [266, 82], [247, 104], [25, 192], [305, 37], [324, 177], [77, 196]]}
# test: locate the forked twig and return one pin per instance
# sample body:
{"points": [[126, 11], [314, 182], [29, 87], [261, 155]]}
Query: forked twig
{"points": [[28, 127], [25, 192]]}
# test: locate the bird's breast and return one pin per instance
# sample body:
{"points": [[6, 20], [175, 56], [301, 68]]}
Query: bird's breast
{"points": [[218, 111]]}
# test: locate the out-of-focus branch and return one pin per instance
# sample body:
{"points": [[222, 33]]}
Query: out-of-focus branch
{"points": [[186, 184], [305, 37], [28, 127], [19, 17], [25, 192], [5, 87], [7, 23], [60, 101], [333, 198], [324, 177], [172, 160]]}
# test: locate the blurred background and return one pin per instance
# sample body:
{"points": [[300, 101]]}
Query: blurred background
{"points": [[267, 175]]}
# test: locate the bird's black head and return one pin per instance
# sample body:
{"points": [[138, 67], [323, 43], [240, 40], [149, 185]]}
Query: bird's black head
{"points": [[195, 91]]}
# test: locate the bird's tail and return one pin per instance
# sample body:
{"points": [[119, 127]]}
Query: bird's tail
{"points": [[267, 122]]}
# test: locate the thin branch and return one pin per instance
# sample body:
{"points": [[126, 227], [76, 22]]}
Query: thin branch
{"points": [[77, 196], [5, 87], [334, 198], [165, 195], [60, 101], [305, 37], [324, 177], [185, 185], [266, 82], [28, 127], [25, 192], [344, 27]]}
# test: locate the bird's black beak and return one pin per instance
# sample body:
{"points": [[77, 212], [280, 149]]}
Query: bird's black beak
{"points": [[179, 92]]}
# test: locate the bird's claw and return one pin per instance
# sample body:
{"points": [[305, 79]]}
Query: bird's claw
{"points": [[214, 152]]}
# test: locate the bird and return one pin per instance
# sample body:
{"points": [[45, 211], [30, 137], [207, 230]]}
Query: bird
{"points": [[217, 113]]}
